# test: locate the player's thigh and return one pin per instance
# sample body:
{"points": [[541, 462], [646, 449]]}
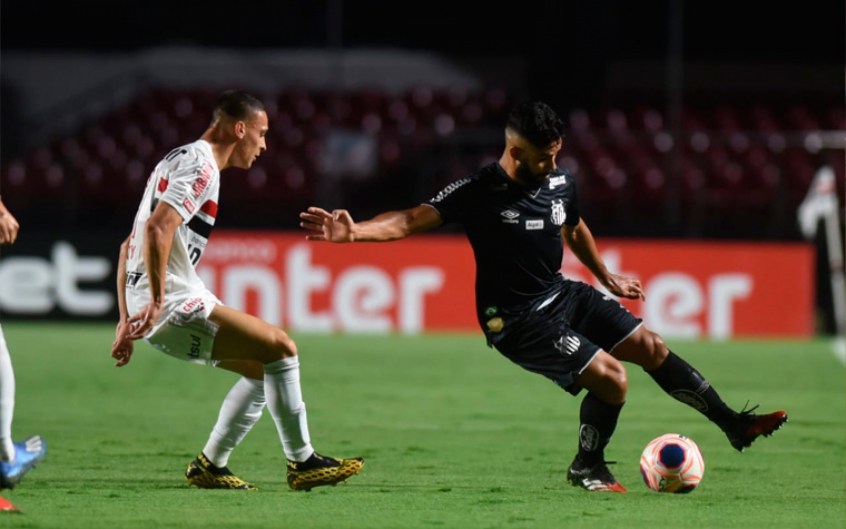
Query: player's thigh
{"points": [[247, 368], [543, 343], [605, 377], [241, 336], [185, 334], [599, 317]]}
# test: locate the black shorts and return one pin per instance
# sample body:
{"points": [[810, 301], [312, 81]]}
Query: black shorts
{"points": [[559, 335]]}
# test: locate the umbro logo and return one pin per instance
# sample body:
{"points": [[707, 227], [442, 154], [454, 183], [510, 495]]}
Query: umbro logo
{"points": [[509, 216]]}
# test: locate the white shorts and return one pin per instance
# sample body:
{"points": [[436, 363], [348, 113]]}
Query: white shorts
{"points": [[184, 329]]}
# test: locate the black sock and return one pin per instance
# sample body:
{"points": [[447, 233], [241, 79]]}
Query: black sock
{"points": [[684, 383], [598, 421]]}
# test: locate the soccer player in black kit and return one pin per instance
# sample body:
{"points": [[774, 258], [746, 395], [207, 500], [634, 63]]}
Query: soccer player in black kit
{"points": [[518, 213]]}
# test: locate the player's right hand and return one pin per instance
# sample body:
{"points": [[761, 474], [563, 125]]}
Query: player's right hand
{"points": [[336, 226], [624, 286]]}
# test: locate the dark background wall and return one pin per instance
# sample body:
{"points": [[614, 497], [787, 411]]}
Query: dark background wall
{"points": [[568, 46], [582, 57], [591, 59]]}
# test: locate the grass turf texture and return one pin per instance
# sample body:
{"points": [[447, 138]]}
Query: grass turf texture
{"points": [[454, 435]]}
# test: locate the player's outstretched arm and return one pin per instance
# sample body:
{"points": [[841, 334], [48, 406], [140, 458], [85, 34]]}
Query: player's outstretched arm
{"points": [[581, 242], [338, 225]]}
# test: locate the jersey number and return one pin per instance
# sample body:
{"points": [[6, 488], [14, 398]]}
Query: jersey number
{"points": [[194, 254]]}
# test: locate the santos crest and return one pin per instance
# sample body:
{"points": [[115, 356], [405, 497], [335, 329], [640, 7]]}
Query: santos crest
{"points": [[558, 213]]}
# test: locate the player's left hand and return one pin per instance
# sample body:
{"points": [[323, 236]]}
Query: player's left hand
{"points": [[142, 323], [122, 347], [624, 287]]}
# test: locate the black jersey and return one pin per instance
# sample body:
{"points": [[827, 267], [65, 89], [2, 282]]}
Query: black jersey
{"points": [[515, 233]]}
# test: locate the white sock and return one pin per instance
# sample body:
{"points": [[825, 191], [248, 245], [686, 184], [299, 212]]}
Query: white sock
{"points": [[285, 402], [7, 402], [240, 411]]}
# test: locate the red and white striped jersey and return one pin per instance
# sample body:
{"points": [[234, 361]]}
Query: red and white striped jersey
{"points": [[188, 179]]}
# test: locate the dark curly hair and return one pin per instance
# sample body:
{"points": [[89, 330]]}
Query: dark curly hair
{"points": [[537, 123]]}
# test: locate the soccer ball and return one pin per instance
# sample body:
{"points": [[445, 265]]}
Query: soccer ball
{"points": [[672, 463]]}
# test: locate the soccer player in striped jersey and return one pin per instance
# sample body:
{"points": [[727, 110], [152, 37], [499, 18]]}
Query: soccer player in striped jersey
{"points": [[518, 213], [162, 300]]}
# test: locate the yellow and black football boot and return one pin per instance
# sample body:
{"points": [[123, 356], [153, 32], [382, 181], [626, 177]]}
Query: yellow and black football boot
{"points": [[319, 470], [205, 475]]}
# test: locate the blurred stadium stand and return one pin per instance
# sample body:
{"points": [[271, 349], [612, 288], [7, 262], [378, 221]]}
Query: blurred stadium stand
{"points": [[370, 142]]}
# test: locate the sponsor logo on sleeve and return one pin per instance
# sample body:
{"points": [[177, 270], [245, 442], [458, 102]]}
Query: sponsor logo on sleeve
{"points": [[188, 205], [202, 181]]}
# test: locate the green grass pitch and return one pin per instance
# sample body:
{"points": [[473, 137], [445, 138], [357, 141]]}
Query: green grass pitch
{"points": [[453, 434]]}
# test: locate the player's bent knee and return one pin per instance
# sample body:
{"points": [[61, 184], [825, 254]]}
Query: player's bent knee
{"points": [[282, 344], [657, 350], [620, 383], [646, 348], [614, 393], [615, 383]]}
